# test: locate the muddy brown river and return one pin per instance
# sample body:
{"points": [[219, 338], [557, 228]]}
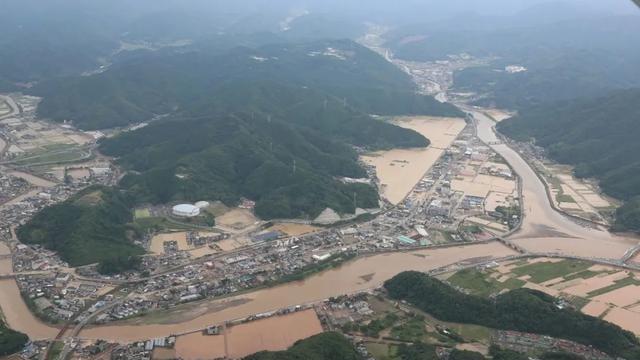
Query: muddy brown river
{"points": [[543, 230], [357, 275], [14, 310]]}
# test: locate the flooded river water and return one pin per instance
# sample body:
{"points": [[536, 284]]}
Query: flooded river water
{"points": [[545, 229], [15, 311], [360, 274], [399, 170]]}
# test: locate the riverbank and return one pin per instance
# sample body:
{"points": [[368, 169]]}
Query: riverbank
{"points": [[545, 230], [354, 276]]}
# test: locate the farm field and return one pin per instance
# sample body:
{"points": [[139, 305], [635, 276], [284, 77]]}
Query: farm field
{"points": [[597, 290]]}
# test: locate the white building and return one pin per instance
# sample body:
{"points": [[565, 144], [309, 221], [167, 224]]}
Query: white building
{"points": [[202, 204], [186, 210]]}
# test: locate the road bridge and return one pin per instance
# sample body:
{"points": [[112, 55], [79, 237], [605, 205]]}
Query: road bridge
{"points": [[631, 253], [13, 275]]}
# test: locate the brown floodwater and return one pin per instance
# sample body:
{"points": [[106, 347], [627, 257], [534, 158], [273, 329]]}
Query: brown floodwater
{"points": [[273, 334], [17, 314], [544, 229], [357, 275], [35, 180], [399, 170], [6, 265]]}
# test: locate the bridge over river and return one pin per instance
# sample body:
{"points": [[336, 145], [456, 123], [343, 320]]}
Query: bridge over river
{"points": [[543, 232]]}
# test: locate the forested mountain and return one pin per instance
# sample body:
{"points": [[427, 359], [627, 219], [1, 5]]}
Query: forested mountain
{"points": [[577, 132], [521, 310], [88, 228], [325, 346], [564, 58], [240, 121], [135, 90], [225, 155]]}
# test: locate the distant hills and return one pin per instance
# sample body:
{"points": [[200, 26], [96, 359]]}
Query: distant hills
{"points": [[281, 124], [137, 89], [599, 136], [565, 58], [575, 94], [277, 124]]}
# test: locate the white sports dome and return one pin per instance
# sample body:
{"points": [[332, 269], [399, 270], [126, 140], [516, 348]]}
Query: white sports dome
{"points": [[186, 210]]}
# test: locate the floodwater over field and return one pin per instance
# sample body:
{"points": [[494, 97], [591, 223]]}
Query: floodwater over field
{"points": [[543, 228], [292, 229], [399, 170], [272, 334], [157, 242], [360, 274], [37, 181]]}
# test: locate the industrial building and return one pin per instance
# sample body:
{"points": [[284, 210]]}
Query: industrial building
{"points": [[186, 210]]}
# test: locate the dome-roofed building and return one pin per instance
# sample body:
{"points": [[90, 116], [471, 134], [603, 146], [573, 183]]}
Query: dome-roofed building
{"points": [[185, 210]]}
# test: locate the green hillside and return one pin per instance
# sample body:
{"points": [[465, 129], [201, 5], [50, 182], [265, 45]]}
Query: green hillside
{"points": [[135, 90], [521, 310], [241, 128], [577, 133], [88, 228], [325, 346], [226, 157]]}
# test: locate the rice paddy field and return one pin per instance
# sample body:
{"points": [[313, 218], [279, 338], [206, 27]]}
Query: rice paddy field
{"points": [[606, 292]]}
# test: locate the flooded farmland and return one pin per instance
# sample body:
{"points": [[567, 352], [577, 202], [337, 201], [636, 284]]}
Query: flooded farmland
{"points": [[399, 170], [273, 334], [544, 229]]}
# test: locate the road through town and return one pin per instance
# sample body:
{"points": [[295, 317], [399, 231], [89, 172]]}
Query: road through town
{"points": [[544, 230]]}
